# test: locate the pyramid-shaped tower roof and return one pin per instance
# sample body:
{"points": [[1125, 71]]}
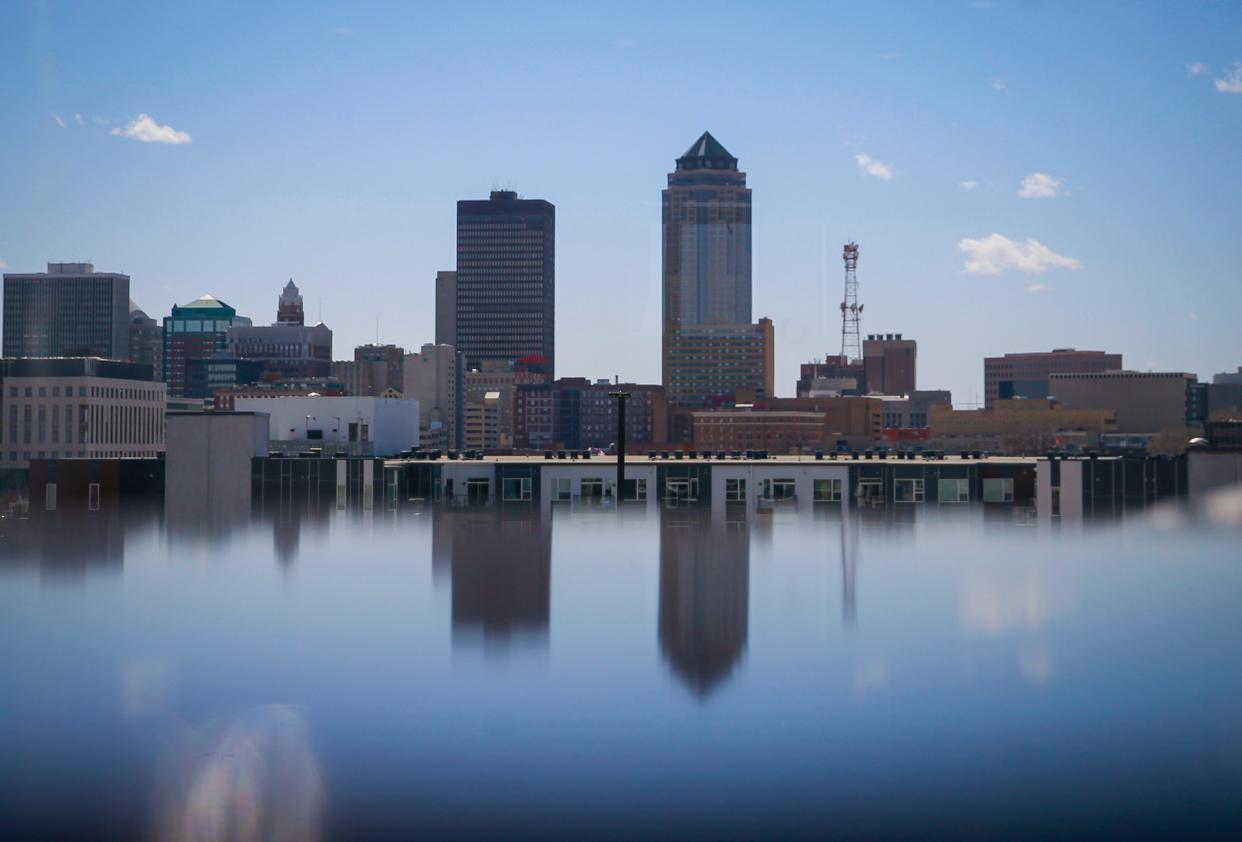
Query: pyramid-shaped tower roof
{"points": [[706, 152]]}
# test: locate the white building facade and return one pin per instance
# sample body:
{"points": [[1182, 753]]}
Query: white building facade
{"points": [[358, 426]]}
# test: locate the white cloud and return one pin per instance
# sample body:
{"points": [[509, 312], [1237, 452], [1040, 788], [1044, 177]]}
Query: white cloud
{"points": [[59, 121], [998, 84], [1037, 287], [995, 254], [1040, 185], [1231, 82], [344, 30], [625, 43], [1196, 68], [144, 128], [78, 117], [968, 184], [870, 166], [3, 265], [1194, 317]]}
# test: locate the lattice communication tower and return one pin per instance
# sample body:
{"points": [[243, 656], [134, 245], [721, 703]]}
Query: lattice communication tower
{"points": [[851, 310]]}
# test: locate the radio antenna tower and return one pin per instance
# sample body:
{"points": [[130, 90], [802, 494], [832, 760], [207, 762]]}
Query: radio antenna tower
{"points": [[851, 310]]}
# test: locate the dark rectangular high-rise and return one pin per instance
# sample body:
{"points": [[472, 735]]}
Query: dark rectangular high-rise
{"points": [[446, 308], [69, 311], [506, 279]]}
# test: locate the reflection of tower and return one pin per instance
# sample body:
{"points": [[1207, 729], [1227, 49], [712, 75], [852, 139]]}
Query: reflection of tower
{"points": [[286, 535], [704, 597], [851, 310], [501, 571], [849, 568]]}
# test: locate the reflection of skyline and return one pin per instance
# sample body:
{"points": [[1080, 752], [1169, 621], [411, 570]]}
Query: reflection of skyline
{"points": [[500, 568], [65, 545], [704, 596]]}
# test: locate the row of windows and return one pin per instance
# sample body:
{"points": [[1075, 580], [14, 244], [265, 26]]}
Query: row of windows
{"points": [[95, 392]]}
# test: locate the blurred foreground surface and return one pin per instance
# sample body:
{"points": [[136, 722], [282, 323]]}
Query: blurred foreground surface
{"points": [[470, 673]]}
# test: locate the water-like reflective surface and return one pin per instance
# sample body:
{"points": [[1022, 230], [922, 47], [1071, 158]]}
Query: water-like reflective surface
{"points": [[459, 673]]}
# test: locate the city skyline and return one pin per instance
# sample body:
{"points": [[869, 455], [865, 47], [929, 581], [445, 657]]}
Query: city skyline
{"points": [[1001, 144]]}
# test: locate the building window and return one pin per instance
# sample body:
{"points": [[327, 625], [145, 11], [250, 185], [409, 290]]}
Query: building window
{"points": [[516, 488], [869, 492], [681, 490], [560, 489], [735, 490], [591, 490], [827, 491], [780, 490], [636, 489], [908, 491], [49, 497], [953, 491], [998, 490], [92, 497]]}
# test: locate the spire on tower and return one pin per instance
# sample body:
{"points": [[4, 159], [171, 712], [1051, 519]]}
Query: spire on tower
{"points": [[289, 308]]}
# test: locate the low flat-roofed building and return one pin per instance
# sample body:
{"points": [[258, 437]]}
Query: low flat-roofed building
{"points": [[856, 420], [835, 376], [747, 429], [78, 407], [357, 426], [1025, 375], [1018, 426], [909, 412], [1144, 401], [225, 397]]}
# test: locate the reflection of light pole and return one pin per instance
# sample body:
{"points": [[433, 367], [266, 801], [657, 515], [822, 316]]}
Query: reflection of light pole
{"points": [[621, 397]]}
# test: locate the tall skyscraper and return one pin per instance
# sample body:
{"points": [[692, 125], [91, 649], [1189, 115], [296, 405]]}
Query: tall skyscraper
{"points": [[1026, 375], [706, 216], [69, 311], [506, 288], [446, 308], [711, 349]]}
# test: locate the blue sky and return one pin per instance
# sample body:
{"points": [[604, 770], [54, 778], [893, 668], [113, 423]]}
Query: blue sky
{"points": [[330, 142]]}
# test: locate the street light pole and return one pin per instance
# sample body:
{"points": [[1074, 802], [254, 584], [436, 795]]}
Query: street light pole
{"points": [[621, 397]]}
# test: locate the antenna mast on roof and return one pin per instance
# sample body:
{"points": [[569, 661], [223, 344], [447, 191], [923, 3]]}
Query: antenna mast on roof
{"points": [[851, 310]]}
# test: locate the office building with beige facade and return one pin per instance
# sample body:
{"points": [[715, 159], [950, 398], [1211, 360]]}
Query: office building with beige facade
{"points": [[1145, 402], [78, 407], [1019, 426]]}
